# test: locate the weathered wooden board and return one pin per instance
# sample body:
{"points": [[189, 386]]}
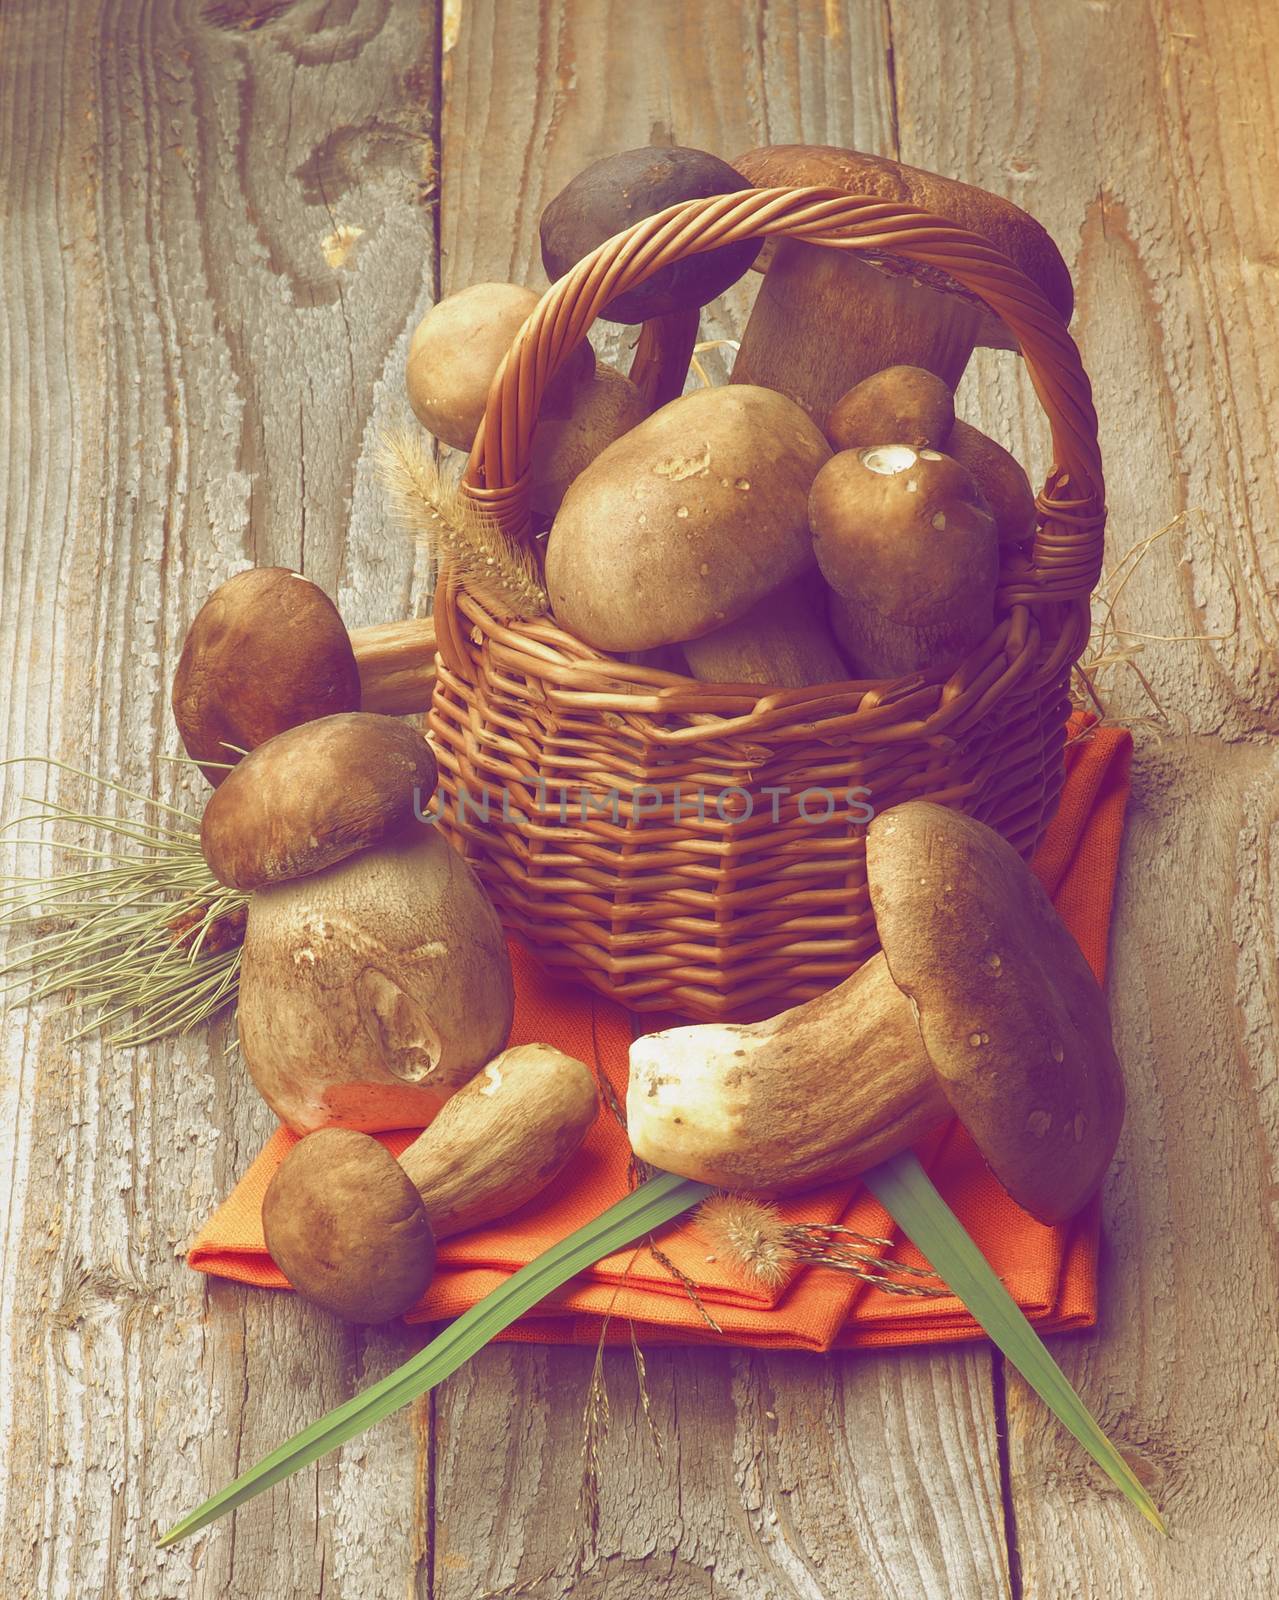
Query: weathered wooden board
{"points": [[188, 384]]}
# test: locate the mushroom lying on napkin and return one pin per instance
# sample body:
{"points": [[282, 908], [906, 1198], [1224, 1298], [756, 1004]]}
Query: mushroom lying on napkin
{"points": [[354, 1230], [693, 529], [979, 1005], [375, 979], [825, 318]]}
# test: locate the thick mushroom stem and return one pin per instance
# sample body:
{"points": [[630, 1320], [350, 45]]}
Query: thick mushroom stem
{"points": [[824, 320], [659, 366], [396, 662], [500, 1140], [814, 1095], [354, 1230], [782, 642]]}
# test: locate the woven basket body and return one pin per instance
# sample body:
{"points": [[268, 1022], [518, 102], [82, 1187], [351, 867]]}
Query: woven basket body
{"points": [[699, 848]]}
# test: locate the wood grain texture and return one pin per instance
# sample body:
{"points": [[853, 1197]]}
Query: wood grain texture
{"points": [[188, 384], [188, 387]]}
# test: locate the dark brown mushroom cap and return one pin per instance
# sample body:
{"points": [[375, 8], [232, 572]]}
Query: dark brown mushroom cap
{"points": [[898, 405], [1012, 1018], [347, 1228], [315, 795], [266, 651], [617, 191], [1011, 230]]}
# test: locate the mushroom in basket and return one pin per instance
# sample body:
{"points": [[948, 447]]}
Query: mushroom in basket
{"points": [[979, 1005], [693, 528], [454, 354], [614, 193], [375, 979], [907, 405], [826, 318], [907, 544], [355, 1230]]}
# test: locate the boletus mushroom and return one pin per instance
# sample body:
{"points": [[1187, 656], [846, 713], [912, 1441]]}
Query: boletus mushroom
{"points": [[979, 1005], [454, 354], [266, 651], [375, 979], [907, 544], [825, 318], [354, 1230], [618, 191], [693, 528]]}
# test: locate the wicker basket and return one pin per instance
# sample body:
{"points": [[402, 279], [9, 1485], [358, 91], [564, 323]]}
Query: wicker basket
{"points": [[671, 842]]}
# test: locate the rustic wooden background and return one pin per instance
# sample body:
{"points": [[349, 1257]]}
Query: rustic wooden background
{"points": [[188, 384]]}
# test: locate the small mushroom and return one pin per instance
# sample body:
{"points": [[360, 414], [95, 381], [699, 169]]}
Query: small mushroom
{"points": [[612, 194], [454, 354], [908, 547], [979, 1005], [354, 1230], [684, 528], [266, 651], [1001, 479], [374, 978], [900, 405], [824, 319]]}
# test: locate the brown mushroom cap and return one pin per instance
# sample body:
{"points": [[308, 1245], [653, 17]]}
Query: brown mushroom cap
{"points": [[457, 348], [1001, 479], [1012, 1017], [1010, 229], [897, 405], [574, 427], [345, 1225], [619, 190], [686, 521], [266, 651], [904, 534], [314, 795]]}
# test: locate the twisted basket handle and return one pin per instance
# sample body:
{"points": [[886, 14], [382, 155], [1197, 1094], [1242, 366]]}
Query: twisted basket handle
{"points": [[1067, 550]]}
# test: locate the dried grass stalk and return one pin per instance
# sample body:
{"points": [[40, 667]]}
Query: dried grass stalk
{"points": [[456, 530]]}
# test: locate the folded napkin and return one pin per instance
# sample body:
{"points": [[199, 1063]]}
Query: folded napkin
{"points": [[1050, 1271]]}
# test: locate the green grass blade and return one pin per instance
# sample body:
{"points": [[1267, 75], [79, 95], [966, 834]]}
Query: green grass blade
{"points": [[652, 1204], [906, 1192]]}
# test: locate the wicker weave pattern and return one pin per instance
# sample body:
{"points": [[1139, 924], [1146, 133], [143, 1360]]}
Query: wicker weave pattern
{"points": [[669, 841]]}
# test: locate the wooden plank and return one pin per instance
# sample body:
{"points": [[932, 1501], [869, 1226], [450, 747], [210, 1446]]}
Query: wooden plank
{"points": [[1138, 133], [783, 1476], [189, 385]]}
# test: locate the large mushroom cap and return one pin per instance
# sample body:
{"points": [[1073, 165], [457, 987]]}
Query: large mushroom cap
{"points": [[314, 795], [617, 191], [266, 651], [347, 1228], [1010, 229], [1010, 1013], [457, 348], [685, 522]]}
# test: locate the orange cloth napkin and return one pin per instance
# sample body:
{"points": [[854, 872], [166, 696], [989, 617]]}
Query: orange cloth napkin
{"points": [[1051, 1272]]}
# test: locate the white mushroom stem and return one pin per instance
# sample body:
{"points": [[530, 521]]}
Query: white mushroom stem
{"points": [[782, 642], [825, 319], [813, 1095], [500, 1140], [397, 665]]}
